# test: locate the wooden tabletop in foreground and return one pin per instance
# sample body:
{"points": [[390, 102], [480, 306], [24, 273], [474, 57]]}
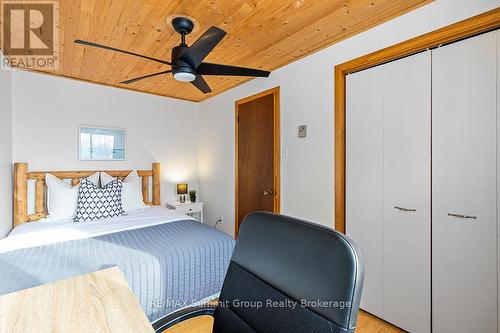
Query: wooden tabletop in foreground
{"points": [[100, 302]]}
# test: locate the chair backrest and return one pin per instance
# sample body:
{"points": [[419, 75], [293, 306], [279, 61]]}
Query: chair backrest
{"points": [[289, 275]]}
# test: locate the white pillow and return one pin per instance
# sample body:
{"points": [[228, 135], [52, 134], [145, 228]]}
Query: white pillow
{"points": [[106, 179], [62, 198], [132, 198]]}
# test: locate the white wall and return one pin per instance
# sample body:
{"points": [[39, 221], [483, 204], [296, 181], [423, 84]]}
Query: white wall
{"points": [[48, 110], [5, 151], [307, 88]]}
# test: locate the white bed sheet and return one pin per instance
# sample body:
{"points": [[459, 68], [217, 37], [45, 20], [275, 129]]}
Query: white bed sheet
{"points": [[40, 233]]}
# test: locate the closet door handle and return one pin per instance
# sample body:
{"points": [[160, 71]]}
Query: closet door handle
{"points": [[405, 209], [460, 216]]}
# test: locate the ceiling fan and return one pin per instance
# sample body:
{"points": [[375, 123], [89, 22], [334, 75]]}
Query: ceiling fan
{"points": [[187, 61]]}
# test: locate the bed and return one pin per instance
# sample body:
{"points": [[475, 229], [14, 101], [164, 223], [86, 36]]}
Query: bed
{"points": [[170, 260]]}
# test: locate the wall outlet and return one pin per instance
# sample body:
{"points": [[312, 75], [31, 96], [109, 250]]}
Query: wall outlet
{"points": [[220, 220]]}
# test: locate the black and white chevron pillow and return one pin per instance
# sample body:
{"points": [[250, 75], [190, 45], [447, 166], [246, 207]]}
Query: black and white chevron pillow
{"points": [[99, 203]]}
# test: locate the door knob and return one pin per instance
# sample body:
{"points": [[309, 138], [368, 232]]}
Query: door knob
{"points": [[268, 192]]}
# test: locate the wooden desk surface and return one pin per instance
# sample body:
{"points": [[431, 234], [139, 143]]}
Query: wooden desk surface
{"points": [[100, 302]]}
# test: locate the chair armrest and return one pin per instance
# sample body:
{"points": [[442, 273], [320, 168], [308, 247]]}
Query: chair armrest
{"points": [[179, 316]]}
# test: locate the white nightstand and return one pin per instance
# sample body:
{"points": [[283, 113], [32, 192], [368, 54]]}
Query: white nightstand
{"points": [[193, 209]]}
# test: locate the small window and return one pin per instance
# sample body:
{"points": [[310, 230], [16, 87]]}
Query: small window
{"points": [[101, 144]]}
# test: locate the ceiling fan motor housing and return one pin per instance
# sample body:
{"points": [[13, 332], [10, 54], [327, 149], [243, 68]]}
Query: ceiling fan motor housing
{"points": [[180, 66]]}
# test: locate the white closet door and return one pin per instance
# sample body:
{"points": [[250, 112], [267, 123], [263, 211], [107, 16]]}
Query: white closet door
{"points": [[364, 143], [464, 125], [407, 200], [498, 173]]}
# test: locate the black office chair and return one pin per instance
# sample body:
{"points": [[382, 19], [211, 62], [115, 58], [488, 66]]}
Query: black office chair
{"points": [[286, 275]]}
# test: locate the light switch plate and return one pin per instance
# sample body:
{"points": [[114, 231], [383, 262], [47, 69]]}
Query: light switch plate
{"points": [[302, 132]]}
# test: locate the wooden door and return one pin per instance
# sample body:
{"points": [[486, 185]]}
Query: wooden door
{"points": [[464, 186], [257, 155]]}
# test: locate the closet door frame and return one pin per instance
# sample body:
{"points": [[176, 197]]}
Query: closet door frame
{"points": [[473, 26]]}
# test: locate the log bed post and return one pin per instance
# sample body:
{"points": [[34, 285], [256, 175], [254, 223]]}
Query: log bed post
{"points": [[156, 184], [39, 196], [145, 190], [20, 193]]}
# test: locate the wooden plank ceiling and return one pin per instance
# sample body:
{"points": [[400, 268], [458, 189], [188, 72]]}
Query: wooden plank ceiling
{"points": [[265, 34]]}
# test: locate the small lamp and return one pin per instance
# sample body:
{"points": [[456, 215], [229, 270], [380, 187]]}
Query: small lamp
{"points": [[182, 189]]}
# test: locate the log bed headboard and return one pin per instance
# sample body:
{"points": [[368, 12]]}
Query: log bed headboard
{"points": [[22, 175]]}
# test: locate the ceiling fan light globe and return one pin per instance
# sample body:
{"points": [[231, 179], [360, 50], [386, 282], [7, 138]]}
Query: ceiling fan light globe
{"points": [[184, 76]]}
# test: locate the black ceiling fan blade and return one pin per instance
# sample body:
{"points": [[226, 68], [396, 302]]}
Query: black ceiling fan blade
{"points": [[83, 42], [144, 77], [201, 84], [203, 46], [206, 68]]}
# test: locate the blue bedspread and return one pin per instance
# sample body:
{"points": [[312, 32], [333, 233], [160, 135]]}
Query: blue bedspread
{"points": [[168, 266]]}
